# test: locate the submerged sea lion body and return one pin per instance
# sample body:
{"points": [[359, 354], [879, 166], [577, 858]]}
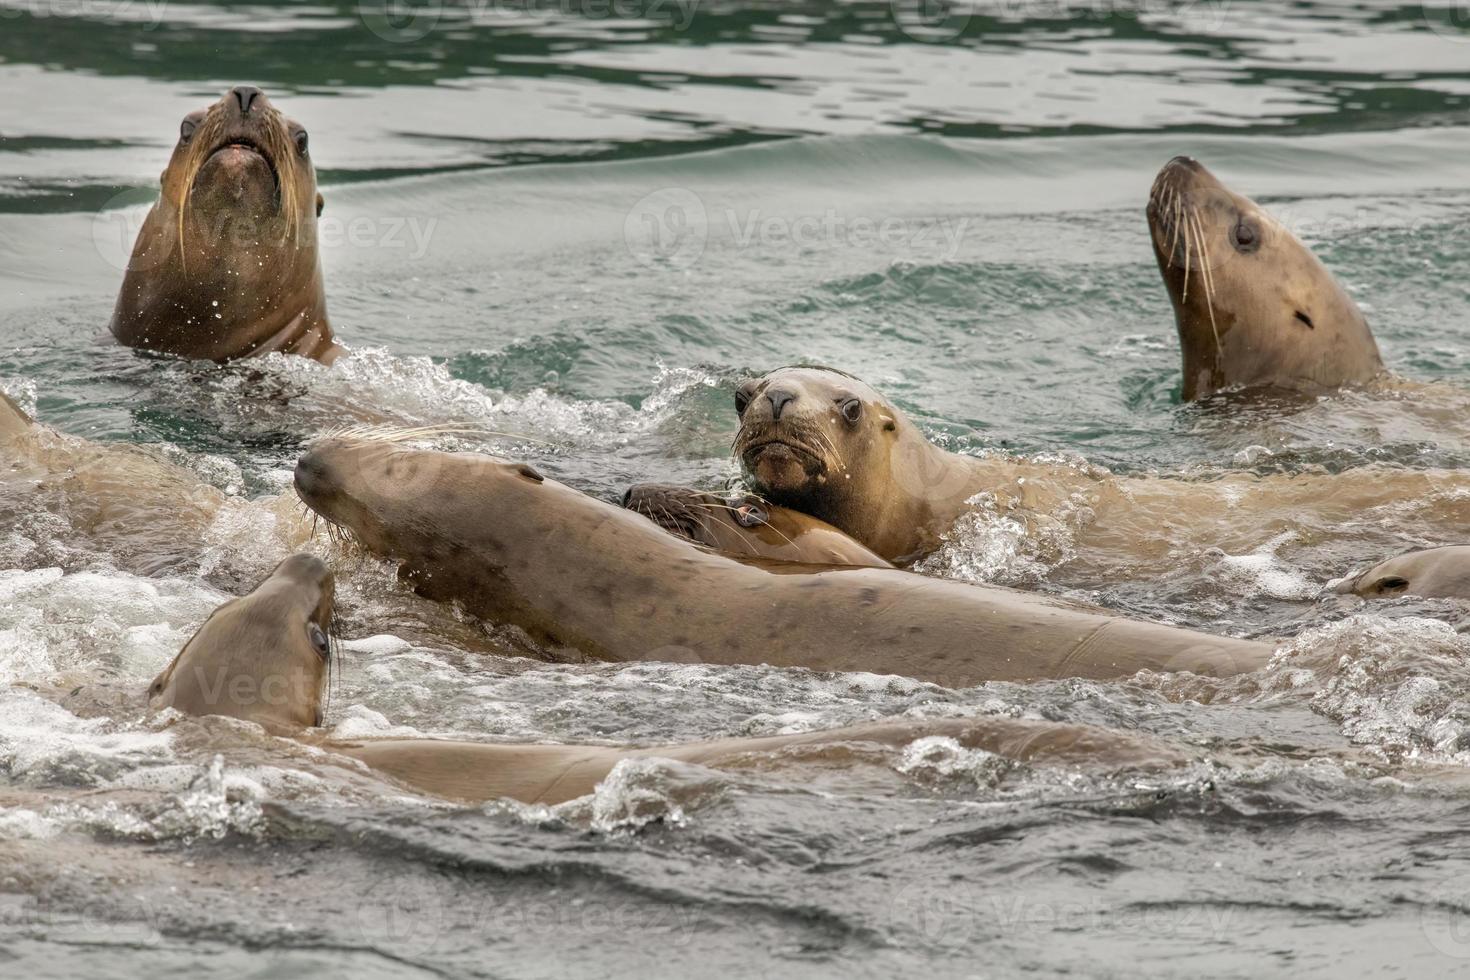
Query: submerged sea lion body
{"points": [[264, 658], [227, 262], [1252, 304], [1433, 573], [746, 527], [581, 575]]}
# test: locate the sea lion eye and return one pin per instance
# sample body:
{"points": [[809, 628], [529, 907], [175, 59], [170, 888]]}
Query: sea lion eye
{"points": [[1245, 237], [186, 129], [1391, 583], [852, 410], [743, 395], [529, 472], [318, 640], [302, 140]]}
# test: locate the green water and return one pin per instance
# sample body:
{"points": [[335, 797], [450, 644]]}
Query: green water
{"points": [[584, 223]]}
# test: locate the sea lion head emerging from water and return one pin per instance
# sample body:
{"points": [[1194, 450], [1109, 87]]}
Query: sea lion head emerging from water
{"points": [[1253, 305], [263, 657], [824, 443], [226, 264]]}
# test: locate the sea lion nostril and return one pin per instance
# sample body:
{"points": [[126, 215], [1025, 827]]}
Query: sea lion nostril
{"points": [[779, 399], [246, 96]]}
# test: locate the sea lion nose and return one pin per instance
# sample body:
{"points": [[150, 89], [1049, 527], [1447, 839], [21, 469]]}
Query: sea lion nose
{"points": [[779, 399], [246, 95]]}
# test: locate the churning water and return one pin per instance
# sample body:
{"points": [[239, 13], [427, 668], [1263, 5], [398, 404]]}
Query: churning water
{"points": [[583, 223]]}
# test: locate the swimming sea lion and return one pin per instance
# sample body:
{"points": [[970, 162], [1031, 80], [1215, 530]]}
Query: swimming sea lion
{"points": [[746, 527], [1253, 305], [226, 264], [583, 576], [1432, 573], [265, 658], [822, 442], [262, 657]]}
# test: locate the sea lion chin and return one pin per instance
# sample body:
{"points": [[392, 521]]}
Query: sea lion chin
{"points": [[227, 264], [1252, 304]]}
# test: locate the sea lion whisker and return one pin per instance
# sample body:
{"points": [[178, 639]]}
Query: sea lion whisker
{"points": [[1208, 279]]}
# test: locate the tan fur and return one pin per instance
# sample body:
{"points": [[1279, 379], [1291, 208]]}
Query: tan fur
{"points": [[227, 263], [583, 576], [1252, 304], [1433, 573], [260, 658], [877, 479], [746, 527]]}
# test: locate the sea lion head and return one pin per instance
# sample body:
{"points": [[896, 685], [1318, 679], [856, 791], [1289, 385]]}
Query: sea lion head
{"points": [[263, 657], [811, 438], [227, 264], [243, 169], [694, 515], [1433, 573], [1252, 304]]}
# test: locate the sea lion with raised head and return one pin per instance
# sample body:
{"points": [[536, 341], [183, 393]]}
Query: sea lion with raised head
{"points": [[1253, 305], [1431, 573], [822, 442], [266, 657], [585, 577], [227, 263], [745, 526]]}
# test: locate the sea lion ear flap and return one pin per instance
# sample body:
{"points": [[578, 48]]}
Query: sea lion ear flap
{"points": [[321, 202], [889, 422], [529, 472]]}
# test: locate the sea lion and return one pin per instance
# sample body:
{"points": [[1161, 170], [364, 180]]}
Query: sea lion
{"points": [[1432, 573], [1253, 305], [746, 527], [584, 577], [262, 657], [266, 657], [822, 442], [227, 263]]}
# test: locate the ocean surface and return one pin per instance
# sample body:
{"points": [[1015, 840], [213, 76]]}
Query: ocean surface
{"points": [[579, 224]]}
